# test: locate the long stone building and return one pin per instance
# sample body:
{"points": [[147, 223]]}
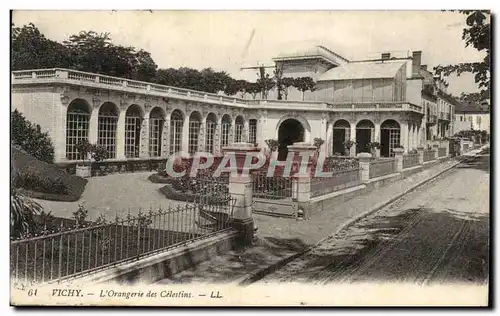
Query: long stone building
{"points": [[382, 100]]}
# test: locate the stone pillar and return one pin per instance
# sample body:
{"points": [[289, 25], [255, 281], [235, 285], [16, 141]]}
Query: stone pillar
{"points": [[435, 149], [120, 136], [447, 147], [364, 166], [185, 135], [398, 155], [144, 142], [420, 151], [404, 135], [93, 126], [329, 140], [353, 138], [240, 189], [303, 179]]}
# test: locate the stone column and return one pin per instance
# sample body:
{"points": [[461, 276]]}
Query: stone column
{"points": [[447, 147], [93, 126], [398, 155], [435, 149], [364, 166], [329, 140], [303, 178], [404, 135], [120, 136], [240, 189], [144, 143], [377, 139], [420, 151], [185, 135], [353, 138]]}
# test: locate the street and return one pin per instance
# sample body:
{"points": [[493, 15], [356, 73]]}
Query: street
{"points": [[436, 234]]}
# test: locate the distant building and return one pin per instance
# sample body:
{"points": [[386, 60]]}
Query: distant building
{"points": [[472, 116]]}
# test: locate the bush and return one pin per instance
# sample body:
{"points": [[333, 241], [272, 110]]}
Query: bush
{"points": [[44, 181], [30, 138]]}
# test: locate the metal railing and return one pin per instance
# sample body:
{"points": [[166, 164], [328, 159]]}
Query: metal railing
{"points": [[382, 167], [79, 251], [272, 188], [428, 155], [340, 180], [441, 152], [410, 160]]}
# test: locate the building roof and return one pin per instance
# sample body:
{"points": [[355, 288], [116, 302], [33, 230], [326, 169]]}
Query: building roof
{"points": [[315, 52], [363, 70], [467, 107]]}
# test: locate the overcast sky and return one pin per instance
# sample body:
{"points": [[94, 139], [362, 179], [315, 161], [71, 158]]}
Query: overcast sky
{"points": [[229, 40]]}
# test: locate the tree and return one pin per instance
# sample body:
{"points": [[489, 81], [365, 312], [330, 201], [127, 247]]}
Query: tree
{"points": [[286, 83], [29, 137], [278, 78], [304, 84], [253, 88], [476, 34], [31, 50], [265, 85]]}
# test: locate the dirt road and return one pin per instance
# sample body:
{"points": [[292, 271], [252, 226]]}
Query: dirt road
{"points": [[439, 233]]}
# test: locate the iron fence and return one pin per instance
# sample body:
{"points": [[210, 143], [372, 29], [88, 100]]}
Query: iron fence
{"points": [[441, 152], [78, 251], [340, 163], [382, 167], [410, 160], [340, 180], [274, 188], [428, 155]]}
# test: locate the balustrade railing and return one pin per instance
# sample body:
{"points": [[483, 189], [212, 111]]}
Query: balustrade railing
{"points": [[340, 180], [428, 155], [410, 160], [382, 167]]}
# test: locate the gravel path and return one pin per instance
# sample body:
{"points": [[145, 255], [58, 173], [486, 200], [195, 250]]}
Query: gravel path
{"points": [[112, 194]]}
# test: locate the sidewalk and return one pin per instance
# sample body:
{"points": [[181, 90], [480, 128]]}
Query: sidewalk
{"points": [[281, 238]]}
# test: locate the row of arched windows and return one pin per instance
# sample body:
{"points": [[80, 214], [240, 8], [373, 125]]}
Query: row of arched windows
{"points": [[78, 118]]}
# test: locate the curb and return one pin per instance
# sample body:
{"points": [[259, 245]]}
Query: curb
{"points": [[256, 276]]}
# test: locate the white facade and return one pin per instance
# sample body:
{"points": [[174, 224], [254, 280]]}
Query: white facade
{"points": [[476, 121]]}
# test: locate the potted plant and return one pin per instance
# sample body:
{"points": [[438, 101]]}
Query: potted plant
{"points": [[98, 153], [374, 149], [347, 145], [84, 149]]}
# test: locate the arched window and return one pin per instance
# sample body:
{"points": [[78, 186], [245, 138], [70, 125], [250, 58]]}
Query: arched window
{"points": [[194, 132], [156, 121], [133, 122], [341, 134], [77, 127], [364, 135], [238, 129], [211, 127], [390, 137], [106, 128], [176, 124], [225, 129], [252, 131]]}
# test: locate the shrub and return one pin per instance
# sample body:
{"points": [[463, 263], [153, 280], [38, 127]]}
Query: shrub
{"points": [[30, 138]]}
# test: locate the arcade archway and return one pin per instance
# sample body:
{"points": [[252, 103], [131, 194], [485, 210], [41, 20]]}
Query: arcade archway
{"points": [[290, 131]]}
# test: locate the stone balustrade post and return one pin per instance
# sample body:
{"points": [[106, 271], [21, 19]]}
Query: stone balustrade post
{"points": [[435, 149], [364, 166], [303, 153], [241, 191], [398, 155], [446, 145], [420, 151]]}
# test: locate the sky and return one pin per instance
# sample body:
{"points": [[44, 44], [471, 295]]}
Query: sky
{"points": [[230, 40]]}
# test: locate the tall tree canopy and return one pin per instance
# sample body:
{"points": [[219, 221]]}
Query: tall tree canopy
{"points": [[476, 34]]}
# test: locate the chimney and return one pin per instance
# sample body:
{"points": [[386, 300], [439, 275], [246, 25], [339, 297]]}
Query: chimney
{"points": [[416, 61], [424, 67], [386, 56]]}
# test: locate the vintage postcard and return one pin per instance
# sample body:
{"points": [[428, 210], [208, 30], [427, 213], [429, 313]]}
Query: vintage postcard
{"points": [[250, 158]]}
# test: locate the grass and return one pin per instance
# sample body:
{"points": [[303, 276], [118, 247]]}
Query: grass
{"points": [[45, 181]]}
